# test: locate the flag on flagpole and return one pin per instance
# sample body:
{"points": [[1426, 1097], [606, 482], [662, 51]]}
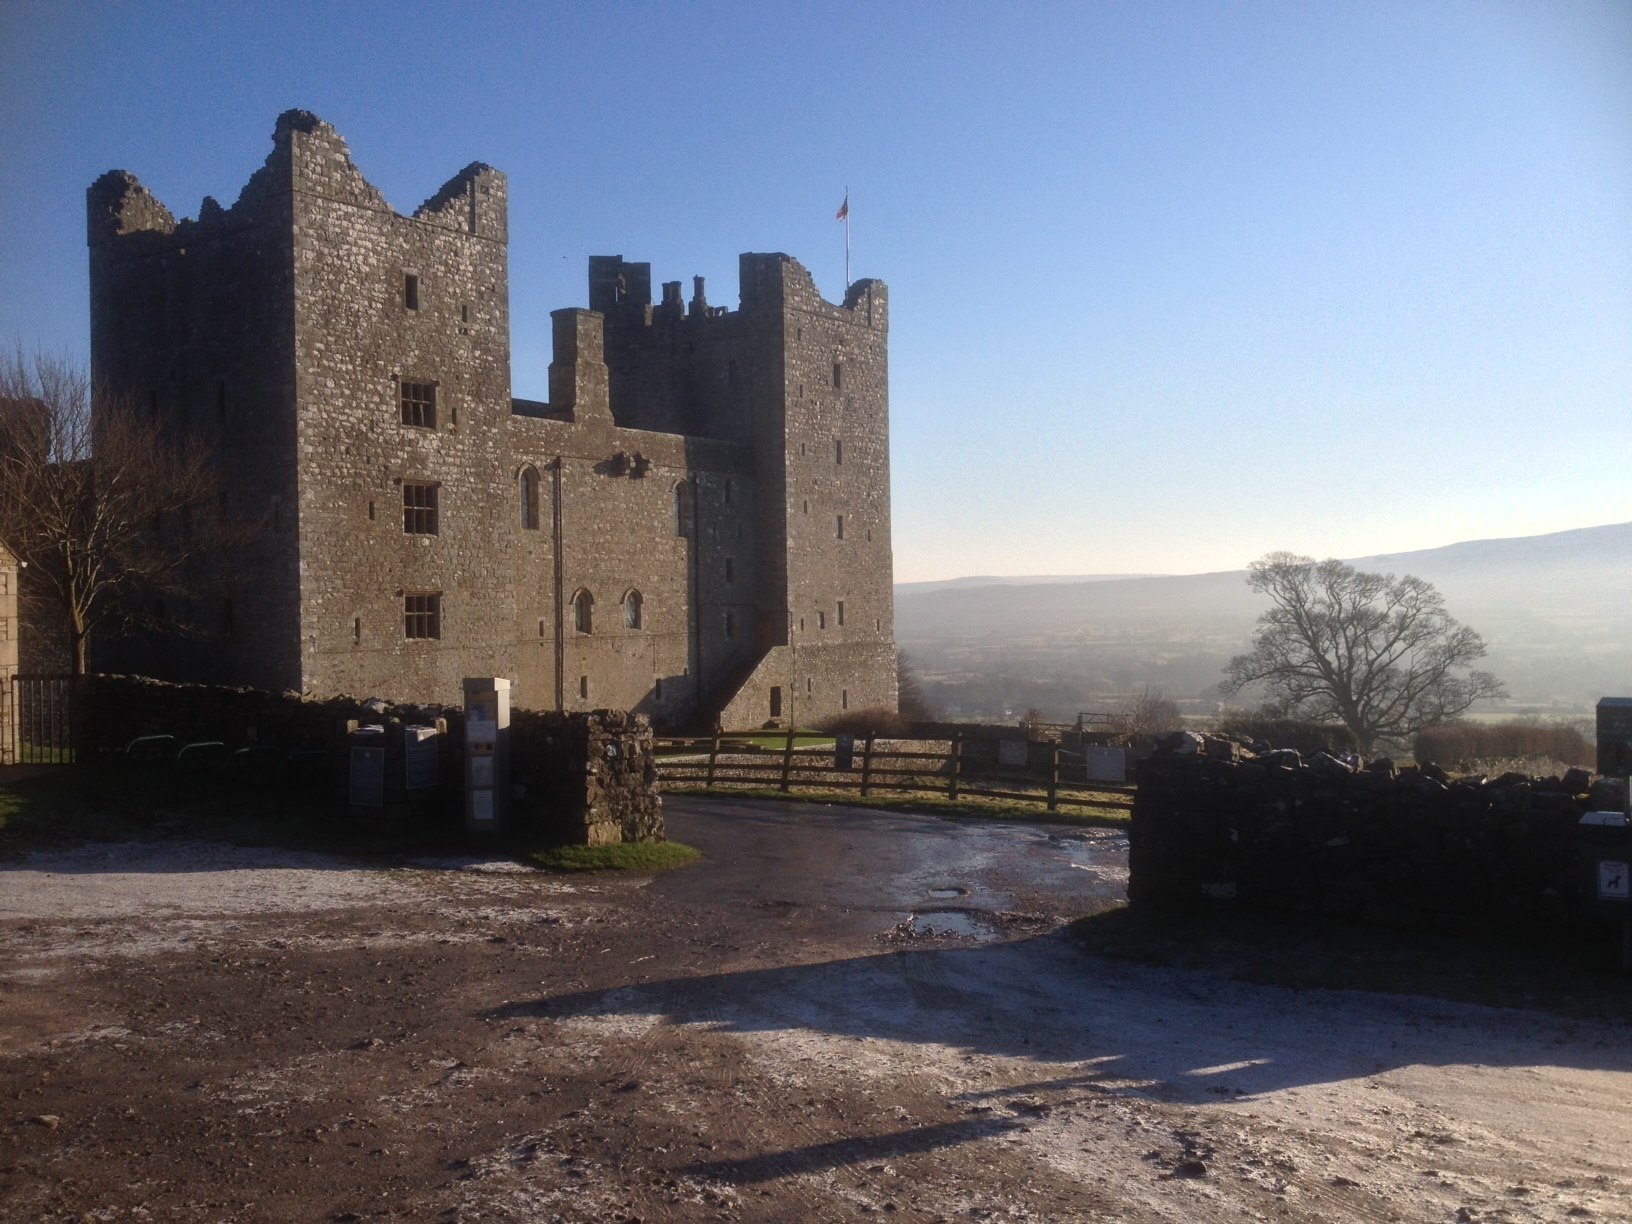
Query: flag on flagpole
{"points": [[844, 209]]}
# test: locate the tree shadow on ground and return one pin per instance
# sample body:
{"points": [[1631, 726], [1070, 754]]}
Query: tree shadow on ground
{"points": [[1174, 1035]]}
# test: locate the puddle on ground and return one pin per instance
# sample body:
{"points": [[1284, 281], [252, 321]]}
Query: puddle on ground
{"points": [[948, 894], [962, 924]]}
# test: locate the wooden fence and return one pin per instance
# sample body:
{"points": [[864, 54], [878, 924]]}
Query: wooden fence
{"points": [[798, 761]]}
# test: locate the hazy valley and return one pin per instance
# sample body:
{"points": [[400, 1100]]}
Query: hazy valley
{"points": [[1555, 612]]}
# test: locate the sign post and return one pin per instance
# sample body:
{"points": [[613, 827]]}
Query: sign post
{"points": [[487, 754]]}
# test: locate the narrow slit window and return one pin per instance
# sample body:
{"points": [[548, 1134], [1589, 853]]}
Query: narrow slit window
{"points": [[838, 451], [529, 498], [356, 631], [730, 570], [730, 623], [840, 611], [838, 526], [583, 688], [410, 291], [838, 375], [682, 509]]}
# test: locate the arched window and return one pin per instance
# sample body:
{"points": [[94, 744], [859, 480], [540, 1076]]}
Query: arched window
{"points": [[529, 497], [583, 611], [682, 509], [632, 610]]}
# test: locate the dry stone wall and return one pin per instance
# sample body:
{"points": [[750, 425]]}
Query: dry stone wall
{"points": [[1214, 824], [586, 777]]}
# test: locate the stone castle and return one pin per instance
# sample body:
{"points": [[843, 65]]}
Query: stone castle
{"points": [[695, 525]]}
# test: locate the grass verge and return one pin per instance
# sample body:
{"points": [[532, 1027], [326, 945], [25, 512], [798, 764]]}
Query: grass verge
{"points": [[627, 856], [1108, 816]]}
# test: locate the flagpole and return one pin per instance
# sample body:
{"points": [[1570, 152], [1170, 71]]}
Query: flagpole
{"points": [[847, 240]]}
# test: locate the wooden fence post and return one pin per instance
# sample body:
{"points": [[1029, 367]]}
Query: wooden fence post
{"points": [[713, 756], [787, 760], [957, 765], [867, 764], [1054, 781]]}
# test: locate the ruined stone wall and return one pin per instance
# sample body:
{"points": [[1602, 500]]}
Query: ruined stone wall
{"points": [[1392, 848], [385, 300], [193, 323]]}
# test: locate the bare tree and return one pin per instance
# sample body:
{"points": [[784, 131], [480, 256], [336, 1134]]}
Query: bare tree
{"points": [[1377, 653], [1147, 714], [911, 702], [110, 511]]}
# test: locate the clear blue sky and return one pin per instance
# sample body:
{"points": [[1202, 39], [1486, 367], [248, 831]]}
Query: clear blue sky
{"points": [[1172, 284]]}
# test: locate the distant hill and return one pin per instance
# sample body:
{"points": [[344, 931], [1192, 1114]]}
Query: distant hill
{"points": [[1555, 611]]}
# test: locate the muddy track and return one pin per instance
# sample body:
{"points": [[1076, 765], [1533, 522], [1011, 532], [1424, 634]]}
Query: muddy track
{"points": [[798, 1028]]}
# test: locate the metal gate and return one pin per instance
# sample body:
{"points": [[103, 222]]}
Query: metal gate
{"points": [[37, 718]]}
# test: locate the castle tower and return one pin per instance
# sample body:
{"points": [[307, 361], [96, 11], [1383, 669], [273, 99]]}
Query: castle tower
{"points": [[695, 524]]}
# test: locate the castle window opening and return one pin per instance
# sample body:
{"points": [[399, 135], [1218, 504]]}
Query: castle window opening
{"points": [[421, 616], [633, 606], [821, 620], [838, 376], [371, 510], [464, 312], [841, 613], [810, 686], [583, 688], [583, 612], [657, 689], [356, 631], [838, 527], [776, 701], [730, 623], [807, 505], [838, 451], [410, 291], [730, 570], [529, 498], [541, 627], [844, 699], [418, 401], [726, 492], [801, 624], [682, 510], [419, 507]]}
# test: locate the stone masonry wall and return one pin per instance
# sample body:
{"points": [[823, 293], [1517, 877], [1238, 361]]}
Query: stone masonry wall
{"points": [[1374, 844], [728, 467]]}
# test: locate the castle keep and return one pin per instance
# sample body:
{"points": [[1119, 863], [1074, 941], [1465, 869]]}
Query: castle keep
{"points": [[695, 524]]}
